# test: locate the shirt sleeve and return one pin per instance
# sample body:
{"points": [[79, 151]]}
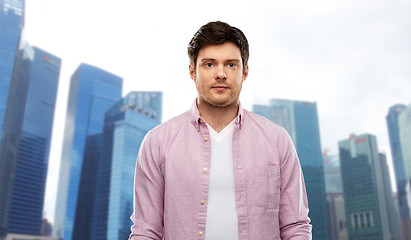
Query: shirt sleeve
{"points": [[294, 220], [148, 205]]}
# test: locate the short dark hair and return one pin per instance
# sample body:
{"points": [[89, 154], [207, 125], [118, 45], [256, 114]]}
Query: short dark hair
{"points": [[216, 33]]}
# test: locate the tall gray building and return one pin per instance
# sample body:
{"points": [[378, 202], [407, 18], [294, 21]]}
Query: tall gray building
{"points": [[404, 127], [366, 190], [335, 197]]}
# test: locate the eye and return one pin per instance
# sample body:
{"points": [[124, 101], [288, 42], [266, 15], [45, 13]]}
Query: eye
{"points": [[232, 65], [208, 64]]}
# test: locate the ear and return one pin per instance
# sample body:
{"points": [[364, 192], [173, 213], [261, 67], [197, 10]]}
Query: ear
{"points": [[245, 74], [192, 72]]}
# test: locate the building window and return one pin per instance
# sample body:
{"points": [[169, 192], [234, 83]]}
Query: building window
{"points": [[356, 224], [368, 217], [362, 220]]}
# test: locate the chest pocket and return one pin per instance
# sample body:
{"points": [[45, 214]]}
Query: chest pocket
{"points": [[266, 187]]}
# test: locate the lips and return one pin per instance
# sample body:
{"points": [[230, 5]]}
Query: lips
{"points": [[219, 87]]}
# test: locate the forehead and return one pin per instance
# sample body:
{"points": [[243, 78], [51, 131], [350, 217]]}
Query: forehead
{"points": [[227, 50]]}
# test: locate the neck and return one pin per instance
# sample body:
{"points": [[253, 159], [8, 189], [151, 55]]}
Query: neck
{"points": [[218, 117]]}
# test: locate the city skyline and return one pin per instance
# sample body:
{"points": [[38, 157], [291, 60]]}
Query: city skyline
{"points": [[347, 57]]}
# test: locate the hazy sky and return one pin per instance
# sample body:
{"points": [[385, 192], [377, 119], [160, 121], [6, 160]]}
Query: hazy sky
{"points": [[351, 57]]}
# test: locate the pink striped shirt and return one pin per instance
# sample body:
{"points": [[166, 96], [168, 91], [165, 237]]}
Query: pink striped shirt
{"points": [[172, 178]]}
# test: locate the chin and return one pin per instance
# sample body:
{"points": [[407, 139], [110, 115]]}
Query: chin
{"points": [[222, 104]]}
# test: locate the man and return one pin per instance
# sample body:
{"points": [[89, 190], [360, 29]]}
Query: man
{"points": [[219, 172]]}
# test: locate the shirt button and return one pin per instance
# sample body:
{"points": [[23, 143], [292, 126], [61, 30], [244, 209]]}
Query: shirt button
{"points": [[205, 139], [205, 169], [202, 202], [200, 233]]}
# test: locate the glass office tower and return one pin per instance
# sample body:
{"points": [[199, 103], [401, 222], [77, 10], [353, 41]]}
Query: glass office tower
{"points": [[393, 214], [404, 125], [403, 192], [300, 119], [11, 25], [125, 126], [404, 122], [398, 162], [365, 182], [92, 92], [26, 138], [335, 197]]}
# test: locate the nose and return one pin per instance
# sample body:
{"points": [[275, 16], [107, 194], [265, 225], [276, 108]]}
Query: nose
{"points": [[220, 74]]}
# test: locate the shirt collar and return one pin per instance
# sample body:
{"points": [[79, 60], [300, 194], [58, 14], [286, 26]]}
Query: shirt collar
{"points": [[197, 120]]}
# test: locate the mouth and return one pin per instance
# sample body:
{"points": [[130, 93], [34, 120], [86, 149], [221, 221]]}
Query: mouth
{"points": [[219, 87]]}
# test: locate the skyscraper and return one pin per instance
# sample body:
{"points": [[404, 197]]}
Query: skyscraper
{"points": [[404, 127], [393, 215], [26, 137], [398, 161], [364, 177], [11, 25], [335, 197], [404, 122], [126, 124], [92, 92], [300, 119]]}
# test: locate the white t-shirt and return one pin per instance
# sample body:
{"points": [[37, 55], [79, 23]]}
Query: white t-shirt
{"points": [[222, 219]]}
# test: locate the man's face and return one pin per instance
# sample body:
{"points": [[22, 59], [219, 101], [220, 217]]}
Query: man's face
{"points": [[219, 75]]}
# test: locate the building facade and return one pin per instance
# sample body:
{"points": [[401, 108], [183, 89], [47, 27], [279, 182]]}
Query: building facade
{"points": [[26, 139], [398, 162], [365, 189], [300, 119], [335, 197], [126, 124], [11, 26], [392, 210], [404, 127], [92, 92]]}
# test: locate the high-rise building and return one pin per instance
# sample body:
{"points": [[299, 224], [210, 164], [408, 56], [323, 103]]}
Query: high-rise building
{"points": [[404, 122], [404, 127], [398, 162], [11, 25], [92, 92], [26, 138], [335, 197], [367, 198], [300, 119], [392, 210], [126, 124]]}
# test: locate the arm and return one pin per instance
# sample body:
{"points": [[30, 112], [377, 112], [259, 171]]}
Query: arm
{"points": [[294, 220], [148, 193]]}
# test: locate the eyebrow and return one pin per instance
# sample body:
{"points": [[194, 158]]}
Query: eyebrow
{"points": [[212, 59]]}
